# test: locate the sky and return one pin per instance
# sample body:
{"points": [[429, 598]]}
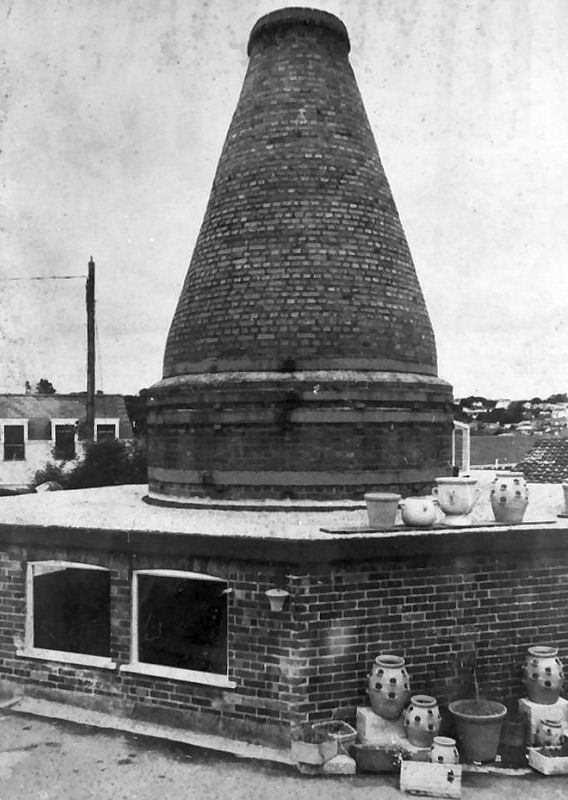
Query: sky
{"points": [[114, 116]]}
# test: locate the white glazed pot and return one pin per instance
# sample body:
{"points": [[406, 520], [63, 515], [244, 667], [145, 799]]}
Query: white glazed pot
{"points": [[509, 496], [457, 497], [419, 512]]}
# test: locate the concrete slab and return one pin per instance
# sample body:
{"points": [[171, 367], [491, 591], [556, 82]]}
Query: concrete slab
{"points": [[95, 719]]}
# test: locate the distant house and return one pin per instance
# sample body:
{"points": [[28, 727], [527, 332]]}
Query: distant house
{"points": [[502, 403], [36, 429]]}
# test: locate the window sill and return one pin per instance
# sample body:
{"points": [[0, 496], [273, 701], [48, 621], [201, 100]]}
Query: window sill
{"points": [[186, 675], [79, 659]]}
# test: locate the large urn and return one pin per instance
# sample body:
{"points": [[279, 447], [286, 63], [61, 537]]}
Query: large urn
{"points": [[509, 496], [389, 686], [543, 674], [457, 497], [422, 720]]}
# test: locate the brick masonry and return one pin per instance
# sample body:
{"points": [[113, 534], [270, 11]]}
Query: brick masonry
{"points": [[279, 436], [301, 254], [301, 265], [311, 660]]}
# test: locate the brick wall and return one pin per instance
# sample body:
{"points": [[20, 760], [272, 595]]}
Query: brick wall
{"points": [[301, 254], [436, 612], [311, 660], [261, 651], [286, 437]]}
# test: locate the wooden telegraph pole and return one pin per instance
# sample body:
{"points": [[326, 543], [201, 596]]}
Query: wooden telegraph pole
{"points": [[90, 298]]}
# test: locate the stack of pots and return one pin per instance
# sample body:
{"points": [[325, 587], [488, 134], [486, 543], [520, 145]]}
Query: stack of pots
{"points": [[390, 697]]}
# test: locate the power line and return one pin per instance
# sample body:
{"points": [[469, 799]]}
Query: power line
{"points": [[45, 278]]}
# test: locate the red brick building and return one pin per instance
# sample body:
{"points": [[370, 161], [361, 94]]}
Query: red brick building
{"points": [[301, 361], [300, 370]]}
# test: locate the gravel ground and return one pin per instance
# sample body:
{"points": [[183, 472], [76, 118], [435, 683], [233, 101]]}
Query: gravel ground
{"points": [[43, 760]]}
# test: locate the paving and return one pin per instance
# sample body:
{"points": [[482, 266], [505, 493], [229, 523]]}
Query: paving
{"points": [[44, 759]]}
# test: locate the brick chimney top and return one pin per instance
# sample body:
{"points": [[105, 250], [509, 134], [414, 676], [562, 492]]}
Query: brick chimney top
{"points": [[301, 361], [286, 17]]}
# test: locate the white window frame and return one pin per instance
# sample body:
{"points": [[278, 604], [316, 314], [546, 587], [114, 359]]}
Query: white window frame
{"points": [[64, 656], [158, 670], [21, 421], [107, 421], [64, 421]]}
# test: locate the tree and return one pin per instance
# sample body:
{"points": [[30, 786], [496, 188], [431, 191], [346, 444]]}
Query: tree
{"points": [[43, 386], [136, 406], [109, 462], [557, 398]]}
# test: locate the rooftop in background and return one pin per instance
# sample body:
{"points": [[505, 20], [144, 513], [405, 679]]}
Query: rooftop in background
{"points": [[39, 409], [547, 461]]}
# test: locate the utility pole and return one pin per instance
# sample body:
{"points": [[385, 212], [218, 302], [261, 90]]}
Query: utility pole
{"points": [[90, 298]]}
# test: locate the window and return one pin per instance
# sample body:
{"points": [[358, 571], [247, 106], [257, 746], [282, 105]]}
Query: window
{"points": [[65, 442], [68, 613], [14, 443], [179, 626], [105, 430]]}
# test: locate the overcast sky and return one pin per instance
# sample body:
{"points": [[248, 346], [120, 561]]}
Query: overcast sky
{"points": [[115, 114]]}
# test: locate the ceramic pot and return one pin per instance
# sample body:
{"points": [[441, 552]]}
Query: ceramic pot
{"points": [[509, 496], [478, 725], [381, 508], [549, 733], [422, 720], [457, 497], [277, 598], [419, 512], [543, 674], [389, 686], [444, 751]]}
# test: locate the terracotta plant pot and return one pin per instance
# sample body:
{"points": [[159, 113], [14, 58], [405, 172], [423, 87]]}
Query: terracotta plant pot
{"points": [[381, 508], [478, 725]]}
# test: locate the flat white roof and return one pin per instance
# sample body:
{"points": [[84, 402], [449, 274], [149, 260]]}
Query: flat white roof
{"points": [[122, 508]]}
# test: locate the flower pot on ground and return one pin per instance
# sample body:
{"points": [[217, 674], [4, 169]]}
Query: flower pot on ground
{"points": [[388, 686], [478, 725], [422, 720], [312, 746], [344, 733], [543, 674]]}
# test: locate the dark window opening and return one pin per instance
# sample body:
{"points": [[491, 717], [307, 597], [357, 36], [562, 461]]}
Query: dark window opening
{"points": [[14, 446], [105, 432], [71, 610], [182, 623], [65, 442]]}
